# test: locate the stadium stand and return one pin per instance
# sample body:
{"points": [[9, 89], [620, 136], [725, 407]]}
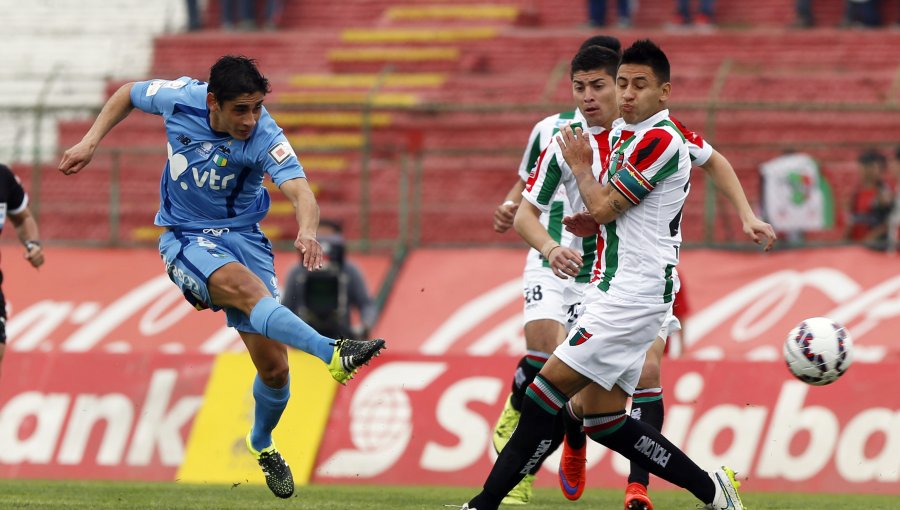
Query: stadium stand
{"points": [[411, 114]]}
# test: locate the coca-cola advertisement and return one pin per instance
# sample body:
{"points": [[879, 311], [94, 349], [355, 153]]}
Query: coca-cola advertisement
{"points": [[741, 304], [85, 300]]}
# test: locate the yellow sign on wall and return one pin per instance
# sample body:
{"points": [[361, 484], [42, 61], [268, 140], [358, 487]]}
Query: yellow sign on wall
{"points": [[216, 451]]}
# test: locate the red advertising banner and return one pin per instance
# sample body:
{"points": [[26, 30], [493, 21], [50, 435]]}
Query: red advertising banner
{"points": [[428, 420], [742, 303], [97, 415], [108, 300]]}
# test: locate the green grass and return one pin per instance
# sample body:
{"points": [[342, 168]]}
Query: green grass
{"points": [[34, 494]]}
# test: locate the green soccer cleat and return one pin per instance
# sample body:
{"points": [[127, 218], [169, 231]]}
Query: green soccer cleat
{"points": [[349, 355], [521, 493], [506, 424], [277, 472]]}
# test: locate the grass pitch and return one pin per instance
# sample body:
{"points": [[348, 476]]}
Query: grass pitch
{"points": [[58, 495]]}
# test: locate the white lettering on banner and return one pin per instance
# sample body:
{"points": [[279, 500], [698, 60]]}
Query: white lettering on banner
{"points": [[116, 313], [850, 457], [758, 296], [34, 324], [48, 410], [507, 337], [746, 423], [159, 426], [116, 410], [789, 418], [381, 419], [454, 415], [763, 302], [470, 315]]}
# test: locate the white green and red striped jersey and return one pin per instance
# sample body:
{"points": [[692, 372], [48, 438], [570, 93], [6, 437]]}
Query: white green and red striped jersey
{"points": [[650, 164], [541, 135], [699, 148], [551, 174]]}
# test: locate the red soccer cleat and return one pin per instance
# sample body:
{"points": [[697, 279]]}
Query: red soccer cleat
{"points": [[572, 469], [636, 497]]}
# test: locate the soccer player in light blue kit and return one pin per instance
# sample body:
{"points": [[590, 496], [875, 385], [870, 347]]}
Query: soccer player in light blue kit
{"points": [[220, 143]]}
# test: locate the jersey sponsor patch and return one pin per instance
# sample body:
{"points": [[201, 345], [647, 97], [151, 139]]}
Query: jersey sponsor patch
{"points": [[281, 151]]}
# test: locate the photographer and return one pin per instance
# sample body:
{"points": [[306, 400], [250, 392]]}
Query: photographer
{"points": [[325, 297]]}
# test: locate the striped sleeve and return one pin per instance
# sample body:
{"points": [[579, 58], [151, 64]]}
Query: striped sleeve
{"points": [[545, 178], [699, 149], [652, 159], [532, 152]]}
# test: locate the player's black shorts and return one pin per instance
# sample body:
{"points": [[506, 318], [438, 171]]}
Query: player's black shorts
{"points": [[2, 312]]}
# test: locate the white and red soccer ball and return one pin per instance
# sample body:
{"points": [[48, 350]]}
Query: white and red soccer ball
{"points": [[818, 351]]}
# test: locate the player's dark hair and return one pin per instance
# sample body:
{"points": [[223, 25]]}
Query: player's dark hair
{"points": [[594, 58], [235, 75], [646, 52], [604, 41]]}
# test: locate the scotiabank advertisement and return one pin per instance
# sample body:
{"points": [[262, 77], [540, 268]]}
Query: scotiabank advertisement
{"points": [[98, 415], [428, 420]]}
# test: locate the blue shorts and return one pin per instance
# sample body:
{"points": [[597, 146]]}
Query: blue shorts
{"points": [[191, 256]]}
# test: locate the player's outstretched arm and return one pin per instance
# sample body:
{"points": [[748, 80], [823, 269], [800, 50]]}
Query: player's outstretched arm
{"points": [[506, 212], [563, 261], [719, 169], [116, 108], [307, 212]]}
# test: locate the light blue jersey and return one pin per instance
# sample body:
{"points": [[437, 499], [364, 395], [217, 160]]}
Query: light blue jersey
{"points": [[212, 180]]}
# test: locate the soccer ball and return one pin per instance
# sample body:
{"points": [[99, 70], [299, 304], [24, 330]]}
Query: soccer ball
{"points": [[818, 351]]}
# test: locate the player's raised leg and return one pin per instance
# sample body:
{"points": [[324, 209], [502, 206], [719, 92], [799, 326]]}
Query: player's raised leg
{"points": [[271, 391], [235, 286]]}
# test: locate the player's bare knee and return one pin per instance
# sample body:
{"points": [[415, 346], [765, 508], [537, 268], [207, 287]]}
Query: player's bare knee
{"points": [[275, 376]]}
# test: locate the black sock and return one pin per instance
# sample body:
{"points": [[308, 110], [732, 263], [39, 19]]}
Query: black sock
{"points": [[528, 367], [575, 436], [642, 444], [528, 445], [646, 406]]}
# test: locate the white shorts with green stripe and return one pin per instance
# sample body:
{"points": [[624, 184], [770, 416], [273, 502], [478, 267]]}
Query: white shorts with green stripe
{"points": [[610, 339]]}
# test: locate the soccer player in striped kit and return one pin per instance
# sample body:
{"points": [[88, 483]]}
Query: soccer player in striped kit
{"points": [[638, 201]]}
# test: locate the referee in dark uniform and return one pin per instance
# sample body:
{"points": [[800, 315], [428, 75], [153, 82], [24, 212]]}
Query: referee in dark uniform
{"points": [[14, 204]]}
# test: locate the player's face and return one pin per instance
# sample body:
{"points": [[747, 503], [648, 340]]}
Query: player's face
{"points": [[639, 93], [595, 95], [238, 116]]}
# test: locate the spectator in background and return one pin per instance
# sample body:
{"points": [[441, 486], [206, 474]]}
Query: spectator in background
{"points": [[193, 15], [894, 219], [324, 298], [871, 202], [14, 203], [804, 15], [705, 18], [861, 13], [597, 12], [247, 14]]}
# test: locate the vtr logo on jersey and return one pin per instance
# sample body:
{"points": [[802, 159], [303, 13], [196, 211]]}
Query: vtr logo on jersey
{"points": [[211, 177]]}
